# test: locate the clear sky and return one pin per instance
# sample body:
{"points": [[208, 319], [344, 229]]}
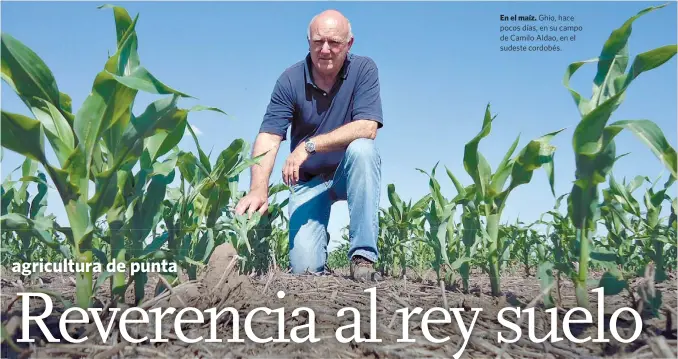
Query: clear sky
{"points": [[439, 65]]}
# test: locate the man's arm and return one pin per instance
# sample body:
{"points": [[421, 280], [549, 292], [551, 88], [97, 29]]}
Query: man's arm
{"points": [[272, 132], [261, 173], [341, 137]]}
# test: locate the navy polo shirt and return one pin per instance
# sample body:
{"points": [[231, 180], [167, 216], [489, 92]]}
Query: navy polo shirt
{"points": [[297, 102]]}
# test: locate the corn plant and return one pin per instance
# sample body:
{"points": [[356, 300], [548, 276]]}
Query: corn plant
{"points": [[401, 222], [593, 139], [470, 230], [657, 237], [277, 225], [648, 233], [39, 241], [279, 236], [422, 255], [192, 210], [620, 213], [524, 247], [386, 240], [279, 244], [454, 246], [564, 251], [250, 236], [440, 232], [489, 193], [99, 143], [338, 258]]}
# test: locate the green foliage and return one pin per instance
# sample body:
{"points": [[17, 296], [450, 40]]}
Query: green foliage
{"points": [[23, 220], [339, 257], [593, 140], [488, 195], [101, 143], [400, 225]]}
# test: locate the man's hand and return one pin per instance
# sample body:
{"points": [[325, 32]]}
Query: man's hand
{"points": [[257, 198], [254, 201], [290, 173]]}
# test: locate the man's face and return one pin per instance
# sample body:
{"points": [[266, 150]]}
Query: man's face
{"points": [[328, 46]]}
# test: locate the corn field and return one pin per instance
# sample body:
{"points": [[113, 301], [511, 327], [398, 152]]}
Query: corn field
{"points": [[605, 232]]}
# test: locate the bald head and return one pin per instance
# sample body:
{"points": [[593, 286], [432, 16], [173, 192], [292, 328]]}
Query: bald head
{"points": [[330, 23]]}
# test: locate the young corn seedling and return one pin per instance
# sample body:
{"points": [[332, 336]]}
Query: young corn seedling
{"points": [[251, 237], [524, 246], [620, 213], [653, 233], [489, 193], [593, 140], [191, 211], [19, 206], [402, 220], [443, 235]]}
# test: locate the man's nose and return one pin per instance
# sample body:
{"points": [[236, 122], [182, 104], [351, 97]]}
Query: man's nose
{"points": [[326, 47]]}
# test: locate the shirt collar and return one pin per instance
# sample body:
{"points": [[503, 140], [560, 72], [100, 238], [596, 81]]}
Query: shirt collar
{"points": [[343, 73]]}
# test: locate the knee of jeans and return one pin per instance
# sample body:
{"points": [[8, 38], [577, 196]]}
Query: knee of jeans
{"points": [[306, 257], [362, 147]]}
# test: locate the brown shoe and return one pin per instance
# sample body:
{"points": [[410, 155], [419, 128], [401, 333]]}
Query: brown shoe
{"points": [[362, 270]]}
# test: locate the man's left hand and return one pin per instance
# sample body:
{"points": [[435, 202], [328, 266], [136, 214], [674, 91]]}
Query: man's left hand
{"points": [[291, 169]]}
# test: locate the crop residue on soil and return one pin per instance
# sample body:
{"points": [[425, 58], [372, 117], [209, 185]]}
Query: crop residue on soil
{"points": [[328, 294]]}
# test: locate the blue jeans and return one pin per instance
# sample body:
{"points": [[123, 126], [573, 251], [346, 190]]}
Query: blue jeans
{"points": [[356, 180]]}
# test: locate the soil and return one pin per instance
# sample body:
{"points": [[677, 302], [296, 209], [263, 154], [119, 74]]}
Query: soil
{"points": [[221, 287]]}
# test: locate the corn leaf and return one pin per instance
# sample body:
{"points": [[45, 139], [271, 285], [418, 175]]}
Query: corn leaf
{"points": [[204, 159], [160, 116], [123, 22], [162, 142], [534, 155], [38, 227], [583, 104], [624, 197], [26, 73], [24, 136], [610, 84], [652, 136], [474, 163], [142, 80], [149, 210], [503, 170], [396, 202]]}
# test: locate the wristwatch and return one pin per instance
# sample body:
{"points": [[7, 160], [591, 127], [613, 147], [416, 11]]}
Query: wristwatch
{"points": [[310, 146]]}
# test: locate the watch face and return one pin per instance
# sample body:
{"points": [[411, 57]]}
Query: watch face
{"points": [[310, 146]]}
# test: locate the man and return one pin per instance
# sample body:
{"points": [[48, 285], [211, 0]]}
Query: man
{"points": [[332, 101]]}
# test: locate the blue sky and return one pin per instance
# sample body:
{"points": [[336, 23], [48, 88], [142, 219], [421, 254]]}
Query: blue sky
{"points": [[439, 65]]}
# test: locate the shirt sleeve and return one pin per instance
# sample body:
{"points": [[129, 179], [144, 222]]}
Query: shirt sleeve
{"points": [[367, 98], [280, 109]]}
